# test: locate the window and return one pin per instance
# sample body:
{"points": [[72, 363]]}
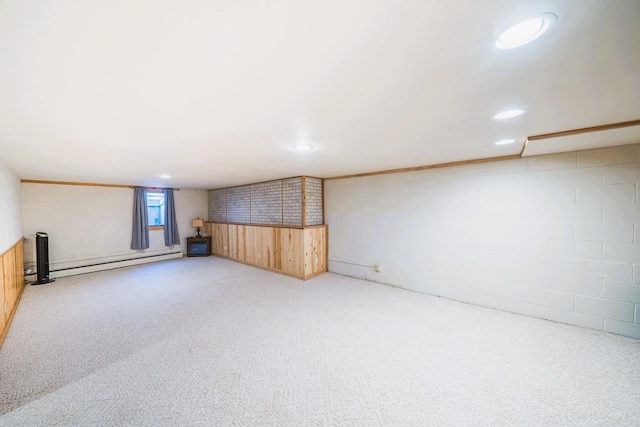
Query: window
{"points": [[155, 208]]}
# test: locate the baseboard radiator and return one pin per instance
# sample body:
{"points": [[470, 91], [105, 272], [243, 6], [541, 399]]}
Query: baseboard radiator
{"points": [[64, 269]]}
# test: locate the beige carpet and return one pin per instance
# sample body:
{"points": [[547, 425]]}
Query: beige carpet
{"points": [[206, 341]]}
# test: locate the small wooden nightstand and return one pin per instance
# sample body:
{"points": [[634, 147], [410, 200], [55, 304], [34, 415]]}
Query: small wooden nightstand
{"points": [[199, 246]]}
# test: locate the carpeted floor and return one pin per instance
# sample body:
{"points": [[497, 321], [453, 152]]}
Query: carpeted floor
{"points": [[206, 341]]}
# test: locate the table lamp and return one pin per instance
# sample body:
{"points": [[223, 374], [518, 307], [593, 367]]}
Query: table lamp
{"points": [[197, 223]]}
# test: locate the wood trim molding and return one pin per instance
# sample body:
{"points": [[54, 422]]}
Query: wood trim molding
{"points": [[436, 166], [524, 147], [303, 200], [91, 184], [322, 189], [85, 184], [585, 130]]}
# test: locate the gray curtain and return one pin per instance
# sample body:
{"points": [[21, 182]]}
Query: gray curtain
{"points": [[140, 233], [171, 236]]}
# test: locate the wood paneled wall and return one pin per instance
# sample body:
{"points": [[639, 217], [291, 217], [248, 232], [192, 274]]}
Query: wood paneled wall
{"points": [[297, 252], [12, 284]]}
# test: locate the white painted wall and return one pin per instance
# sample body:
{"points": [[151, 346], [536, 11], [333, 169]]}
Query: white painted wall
{"points": [[10, 215], [555, 237], [88, 224]]}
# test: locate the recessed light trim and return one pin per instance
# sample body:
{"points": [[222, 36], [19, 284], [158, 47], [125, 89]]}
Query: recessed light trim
{"points": [[505, 142], [508, 114], [303, 147], [524, 32]]}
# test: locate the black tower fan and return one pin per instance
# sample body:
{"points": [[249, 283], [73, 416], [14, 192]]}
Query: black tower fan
{"points": [[42, 262]]}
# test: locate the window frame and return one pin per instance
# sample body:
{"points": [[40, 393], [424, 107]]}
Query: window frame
{"points": [[156, 227]]}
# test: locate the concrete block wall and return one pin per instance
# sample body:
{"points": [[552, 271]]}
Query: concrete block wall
{"points": [[273, 202], [89, 224], [266, 203], [313, 202], [292, 200], [555, 237], [217, 205], [10, 209], [239, 204]]}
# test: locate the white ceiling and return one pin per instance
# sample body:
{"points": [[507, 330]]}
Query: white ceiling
{"points": [[216, 93]]}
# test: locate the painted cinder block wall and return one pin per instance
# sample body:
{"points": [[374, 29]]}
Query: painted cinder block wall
{"points": [[555, 237], [90, 224], [10, 211]]}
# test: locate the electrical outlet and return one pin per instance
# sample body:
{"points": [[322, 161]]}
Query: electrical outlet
{"points": [[317, 261], [376, 268]]}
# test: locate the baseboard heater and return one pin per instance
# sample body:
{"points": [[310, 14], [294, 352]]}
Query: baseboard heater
{"points": [[110, 265]]}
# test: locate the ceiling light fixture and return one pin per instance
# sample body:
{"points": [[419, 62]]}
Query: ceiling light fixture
{"points": [[509, 114], [524, 32], [505, 141], [164, 176], [303, 147]]}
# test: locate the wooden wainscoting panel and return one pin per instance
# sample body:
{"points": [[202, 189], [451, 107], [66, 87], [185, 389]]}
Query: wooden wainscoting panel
{"points": [[242, 242], [292, 255], [216, 242], [216, 239], [294, 251], [11, 285], [3, 299], [220, 239], [315, 251], [272, 247], [9, 269], [266, 244], [224, 232], [19, 254], [233, 241], [260, 235], [250, 245]]}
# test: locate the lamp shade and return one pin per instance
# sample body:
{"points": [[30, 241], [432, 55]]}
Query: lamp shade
{"points": [[197, 222]]}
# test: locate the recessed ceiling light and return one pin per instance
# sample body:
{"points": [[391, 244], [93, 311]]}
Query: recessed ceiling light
{"points": [[303, 147], [509, 114], [165, 176], [524, 32], [505, 141]]}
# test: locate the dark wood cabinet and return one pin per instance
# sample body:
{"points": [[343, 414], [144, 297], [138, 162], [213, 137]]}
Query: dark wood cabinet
{"points": [[199, 246]]}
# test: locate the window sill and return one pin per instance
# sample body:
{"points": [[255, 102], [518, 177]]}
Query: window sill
{"points": [[156, 228]]}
